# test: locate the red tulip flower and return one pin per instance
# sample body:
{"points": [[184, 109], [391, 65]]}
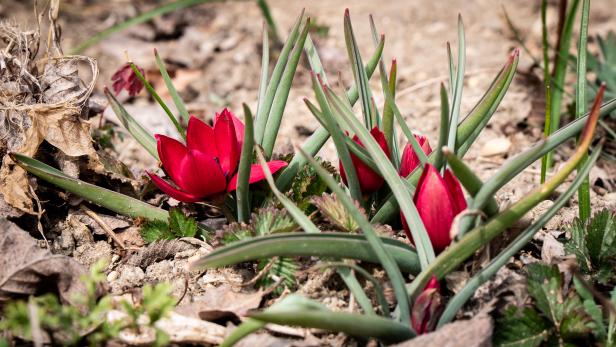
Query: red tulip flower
{"points": [[207, 165], [439, 200], [126, 79], [410, 160], [369, 181], [424, 312]]}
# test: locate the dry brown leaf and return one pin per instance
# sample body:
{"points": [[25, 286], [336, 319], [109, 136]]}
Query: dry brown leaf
{"points": [[221, 303], [37, 108], [26, 269]]}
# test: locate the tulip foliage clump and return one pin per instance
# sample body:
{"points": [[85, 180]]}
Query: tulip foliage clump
{"points": [[441, 210]]}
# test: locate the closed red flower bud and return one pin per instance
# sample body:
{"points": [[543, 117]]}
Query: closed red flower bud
{"points": [[207, 165], [410, 160], [369, 181], [126, 79], [425, 310], [439, 200]]}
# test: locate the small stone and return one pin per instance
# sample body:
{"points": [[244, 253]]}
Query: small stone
{"points": [[113, 275], [496, 146]]}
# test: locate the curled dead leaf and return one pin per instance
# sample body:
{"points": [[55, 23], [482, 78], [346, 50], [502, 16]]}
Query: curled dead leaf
{"points": [[26, 269]]}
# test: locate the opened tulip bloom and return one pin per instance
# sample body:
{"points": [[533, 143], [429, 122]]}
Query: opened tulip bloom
{"points": [[439, 200], [425, 310], [369, 181], [207, 165], [410, 160]]}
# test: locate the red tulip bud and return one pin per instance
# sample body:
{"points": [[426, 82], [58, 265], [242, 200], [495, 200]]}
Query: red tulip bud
{"points": [[424, 312], [369, 181], [207, 165], [126, 79], [409, 159], [438, 201]]}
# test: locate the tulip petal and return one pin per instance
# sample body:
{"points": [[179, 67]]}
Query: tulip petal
{"points": [[257, 174], [200, 137], [239, 128], [172, 153], [226, 141], [410, 160], [201, 175], [380, 139], [171, 190], [435, 207], [455, 189], [369, 180]]}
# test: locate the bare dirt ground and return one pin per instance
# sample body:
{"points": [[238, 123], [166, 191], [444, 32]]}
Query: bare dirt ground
{"points": [[214, 52]]}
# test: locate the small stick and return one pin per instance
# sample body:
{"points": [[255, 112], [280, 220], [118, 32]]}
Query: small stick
{"points": [[103, 225]]}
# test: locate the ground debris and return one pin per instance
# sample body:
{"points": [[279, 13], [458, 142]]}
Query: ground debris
{"points": [[476, 332], [26, 269], [158, 251]]}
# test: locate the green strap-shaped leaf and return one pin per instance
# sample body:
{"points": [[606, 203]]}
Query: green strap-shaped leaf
{"points": [[109, 199], [580, 103], [243, 176], [325, 245], [339, 140], [560, 70], [316, 316], [458, 86]]}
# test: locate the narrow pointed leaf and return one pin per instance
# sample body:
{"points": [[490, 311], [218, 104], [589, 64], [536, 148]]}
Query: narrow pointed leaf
{"points": [[368, 326], [109, 199], [282, 94], [324, 245], [265, 104], [459, 84], [361, 79], [560, 70], [142, 18], [580, 103], [139, 133], [243, 186], [160, 101], [264, 71], [443, 128], [339, 141], [177, 99]]}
